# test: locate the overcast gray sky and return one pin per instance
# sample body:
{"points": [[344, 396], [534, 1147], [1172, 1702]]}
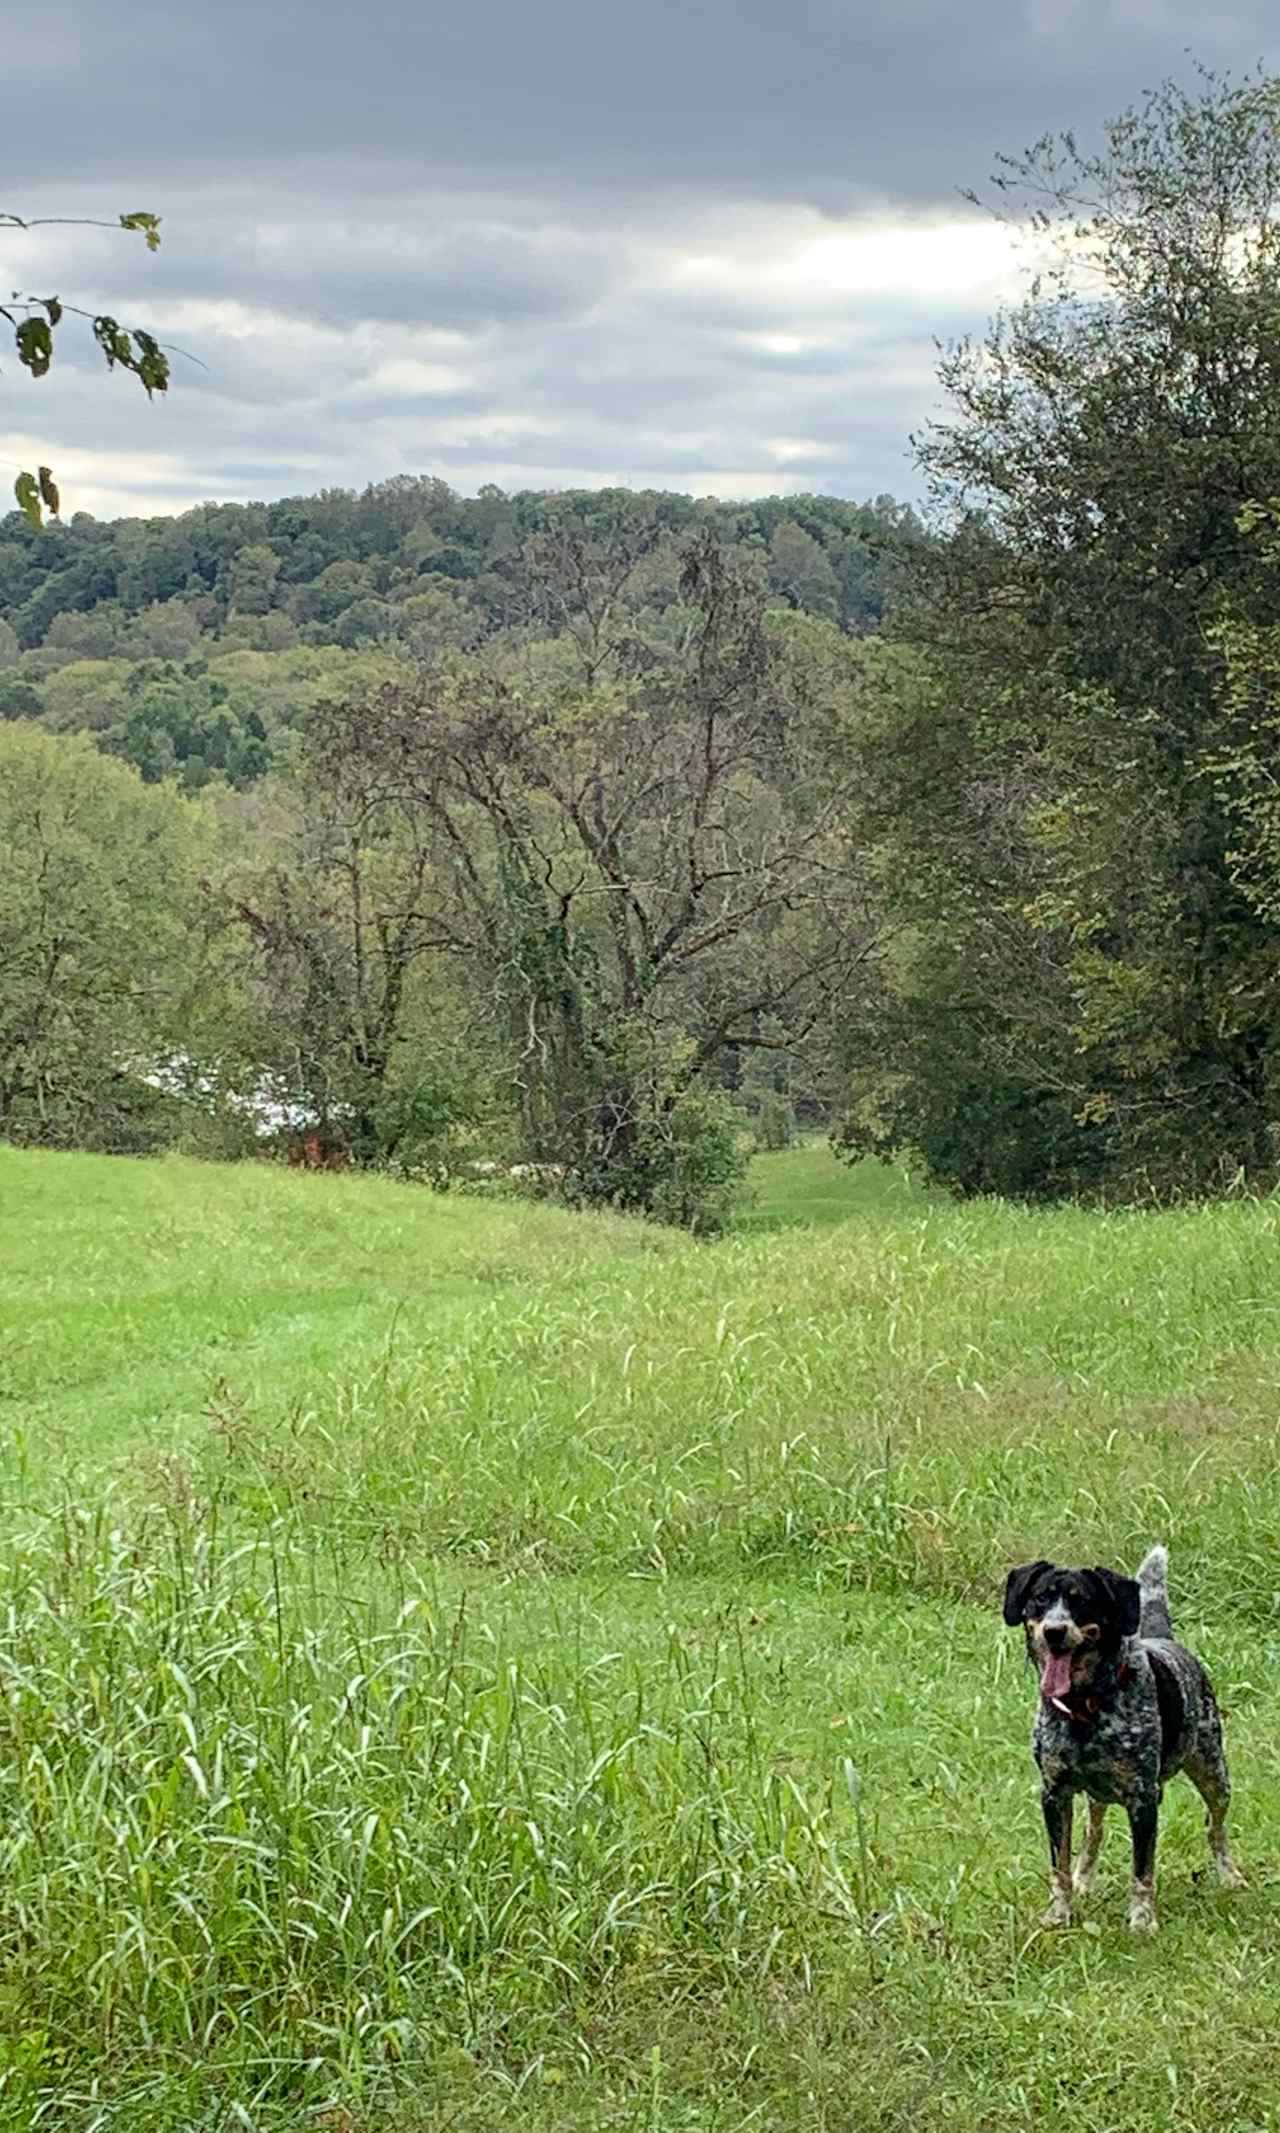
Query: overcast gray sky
{"points": [[702, 244]]}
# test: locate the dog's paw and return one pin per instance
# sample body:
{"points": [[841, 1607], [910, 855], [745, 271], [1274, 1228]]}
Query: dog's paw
{"points": [[1057, 1916], [1142, 1916]]}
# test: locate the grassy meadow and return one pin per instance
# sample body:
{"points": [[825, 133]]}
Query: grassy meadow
{"points": [[469, 1666]]}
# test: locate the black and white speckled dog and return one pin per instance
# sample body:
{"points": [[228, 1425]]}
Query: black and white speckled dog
{"points": [[1123, 1706]]}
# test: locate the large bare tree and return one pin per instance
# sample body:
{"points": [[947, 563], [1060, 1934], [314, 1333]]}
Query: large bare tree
{"points": [[639, 852]]}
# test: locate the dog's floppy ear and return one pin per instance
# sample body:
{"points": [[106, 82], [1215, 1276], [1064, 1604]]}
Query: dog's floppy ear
{"points": [[1017, 1585], [1124, 1597]]}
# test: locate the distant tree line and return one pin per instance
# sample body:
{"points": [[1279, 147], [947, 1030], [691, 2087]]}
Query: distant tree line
{"points": [[192, 647], [347, 569]]}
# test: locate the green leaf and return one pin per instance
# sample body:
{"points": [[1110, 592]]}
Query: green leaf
{"points": [[113, 341], [35, 345], [151, 364], [149, 226], [28, 495], [49, 491]]}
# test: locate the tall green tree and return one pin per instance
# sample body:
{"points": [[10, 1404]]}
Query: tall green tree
{"points": [[351, 1017], [1247, 772], [104, 952], [801, 571], [1080, 949], [254, 571]]}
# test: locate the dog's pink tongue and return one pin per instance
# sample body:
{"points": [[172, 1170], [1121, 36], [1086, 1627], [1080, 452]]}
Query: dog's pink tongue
{"points": [[1055, 1682]]}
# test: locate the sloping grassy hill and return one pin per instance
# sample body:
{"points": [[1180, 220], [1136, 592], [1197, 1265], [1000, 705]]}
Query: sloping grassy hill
{"points": [[129, 1292], [471, 1666]]}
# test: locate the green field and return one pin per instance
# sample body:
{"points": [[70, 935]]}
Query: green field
{"points": [[472, 1666], [807, 1187]]}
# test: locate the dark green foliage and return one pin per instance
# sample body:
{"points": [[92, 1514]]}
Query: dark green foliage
{"points": [[1079, 994], [104, 960], [977, 1098], [318, 556], [801, 571], [181, 723], [1244, 772], [35, 344], [18, 698], [252, 578], [681, 1160]]}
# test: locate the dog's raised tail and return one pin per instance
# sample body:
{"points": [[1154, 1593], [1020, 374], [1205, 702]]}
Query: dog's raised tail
{"points": [[1154, 1619]]}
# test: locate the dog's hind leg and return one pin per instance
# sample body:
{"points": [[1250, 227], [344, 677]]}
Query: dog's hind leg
{"points": [[1086, 1865], [1057, 1821], [1208, 1773]]}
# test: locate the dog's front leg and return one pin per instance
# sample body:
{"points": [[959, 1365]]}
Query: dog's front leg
{"points": [[1057, 1804], [1144, 1814], [1086, 1864]]}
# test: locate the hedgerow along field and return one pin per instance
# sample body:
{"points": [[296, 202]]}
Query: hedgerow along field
{"points": [[467, 1665]]}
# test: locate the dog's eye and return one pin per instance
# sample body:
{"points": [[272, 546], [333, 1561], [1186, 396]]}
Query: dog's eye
{"points": [[1091, 1631]]}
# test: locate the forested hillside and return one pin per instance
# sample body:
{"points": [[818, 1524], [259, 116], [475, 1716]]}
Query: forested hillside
{"points": [[190, 645]]}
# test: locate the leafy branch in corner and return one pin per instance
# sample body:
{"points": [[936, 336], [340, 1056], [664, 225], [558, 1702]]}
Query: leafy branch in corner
{"points": [[35, 321]]}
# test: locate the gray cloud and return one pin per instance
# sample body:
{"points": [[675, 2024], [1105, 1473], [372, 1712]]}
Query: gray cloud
{"points": [[335, 273], [536, 244], [823, 99]]}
